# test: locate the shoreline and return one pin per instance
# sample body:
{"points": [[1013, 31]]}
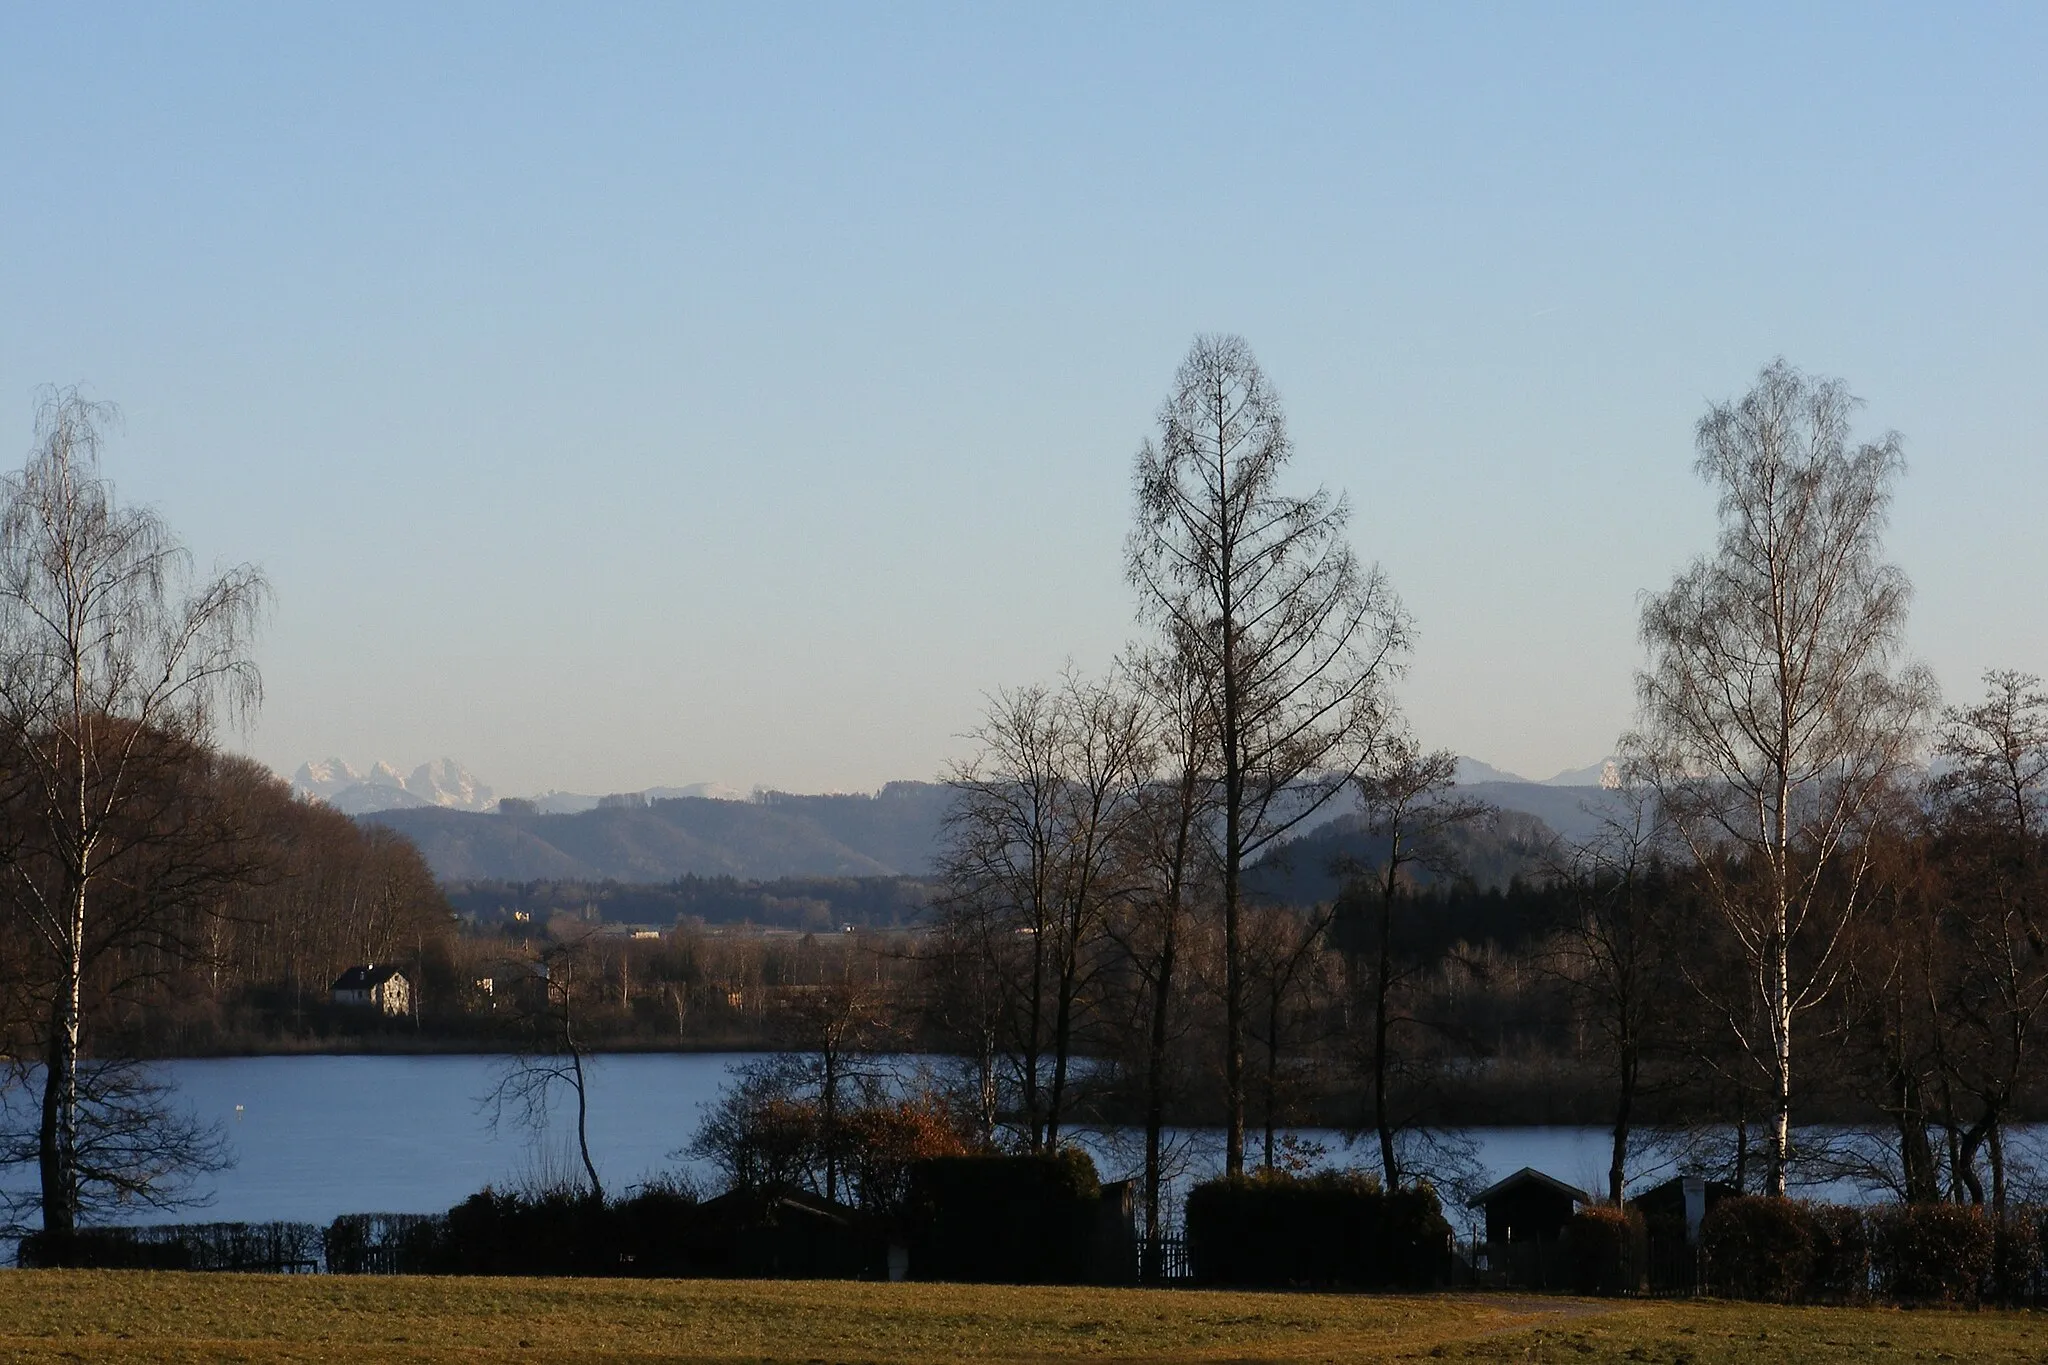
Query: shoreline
{"points": [[1558, 1102]]}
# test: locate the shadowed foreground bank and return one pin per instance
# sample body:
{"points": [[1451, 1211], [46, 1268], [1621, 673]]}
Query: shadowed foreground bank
{"points": [[103, 1315]]}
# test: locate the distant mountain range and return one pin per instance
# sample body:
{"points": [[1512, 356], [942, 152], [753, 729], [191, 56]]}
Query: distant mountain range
{"points": [[1605, 773], [895, 832], [447, 785], [707, 830], [633, 839], [575, 803], [1575, 813]]}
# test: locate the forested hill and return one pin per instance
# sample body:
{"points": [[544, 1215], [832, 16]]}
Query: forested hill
{"points": [[1489, 854], [1530, 820], [893, 832], [1576, 813]]}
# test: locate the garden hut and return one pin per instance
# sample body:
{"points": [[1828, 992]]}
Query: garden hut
{"points": [[1528, 1206], [1680, 1205]]}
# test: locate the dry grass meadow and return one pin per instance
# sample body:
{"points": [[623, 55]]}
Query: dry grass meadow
{"points": [[114, 1315]]}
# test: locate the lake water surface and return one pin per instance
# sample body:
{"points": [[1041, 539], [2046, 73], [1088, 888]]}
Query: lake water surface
{"points": [[314, 1137]]}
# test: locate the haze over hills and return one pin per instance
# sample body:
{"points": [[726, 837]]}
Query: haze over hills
{"points": [[632, 839], [575, 803], [445, 783], [704, 830], [1605, 773], [1491, 854]]}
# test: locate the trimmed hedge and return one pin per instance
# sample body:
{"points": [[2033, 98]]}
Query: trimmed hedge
{"points": [[1932, 1253], [1005, 1219], [99, 1249], [254, 1247], [1331, 1228], [380, 1243], [1759, 1249], [1608, 1247], [1783, 1251], [509, 1234], [1839, 1268], [2017, 1255], [656, 1232], [660, 1231]]}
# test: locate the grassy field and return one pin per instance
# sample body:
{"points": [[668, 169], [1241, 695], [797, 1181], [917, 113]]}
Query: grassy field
{"points": [[110, 1315]]}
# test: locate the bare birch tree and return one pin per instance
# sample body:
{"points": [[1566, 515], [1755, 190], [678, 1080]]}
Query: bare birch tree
{"points": [[1775, 707], [115, 662], [1296, 641]]}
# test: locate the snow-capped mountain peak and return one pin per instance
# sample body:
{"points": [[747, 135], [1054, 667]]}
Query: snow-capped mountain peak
{"points": [[443, 782], [324, 778], [1606, 773], [447, 783], [382, 774]]}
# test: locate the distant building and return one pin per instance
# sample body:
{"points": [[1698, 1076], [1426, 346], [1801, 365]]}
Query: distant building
{"points": [[383, 989]]}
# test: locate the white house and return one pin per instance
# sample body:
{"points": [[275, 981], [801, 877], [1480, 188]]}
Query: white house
{"points": [[380, 988]]}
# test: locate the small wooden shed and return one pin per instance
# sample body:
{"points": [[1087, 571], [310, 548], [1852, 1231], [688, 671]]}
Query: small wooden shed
{"points": [[786, 1234], [1528, 1206], [1680, 1205]]}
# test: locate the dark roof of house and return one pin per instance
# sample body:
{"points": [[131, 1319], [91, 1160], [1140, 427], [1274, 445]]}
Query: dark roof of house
{"points": [[1674, 1189], [757, 1204], [1528, 1175], [364, 977]]}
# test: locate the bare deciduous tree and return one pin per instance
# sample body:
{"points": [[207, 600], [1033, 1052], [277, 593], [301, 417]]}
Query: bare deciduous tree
{"points": [[1887, 1013], [134, 1146], [1034, 850], [1168, 875], [1295, 640], [966, 959], [1990, 826], [115, 662], [1002, 835], [1283, 947], [1409, 803], [1614, 952], [553, 1053], [830, 1031], [1775, 707]]}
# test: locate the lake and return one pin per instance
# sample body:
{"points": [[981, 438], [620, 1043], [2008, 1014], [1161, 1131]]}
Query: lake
{"points": [[314, 1137]]}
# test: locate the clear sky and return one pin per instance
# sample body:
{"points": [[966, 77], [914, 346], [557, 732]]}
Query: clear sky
{"points": [[625, 395]]}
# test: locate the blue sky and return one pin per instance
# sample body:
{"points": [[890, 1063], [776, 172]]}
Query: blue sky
{"points": [[648, 394]]}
